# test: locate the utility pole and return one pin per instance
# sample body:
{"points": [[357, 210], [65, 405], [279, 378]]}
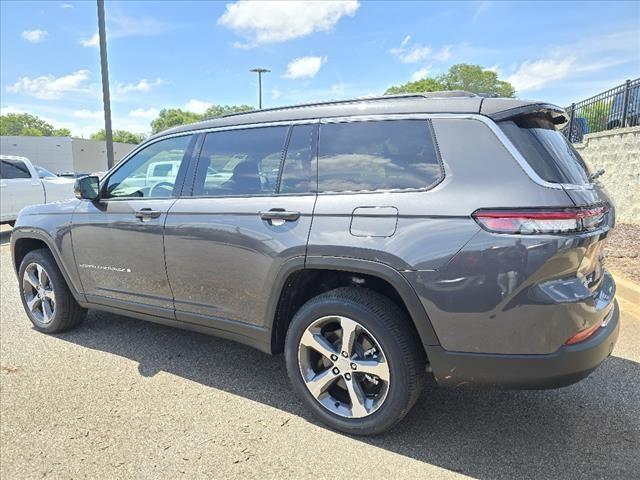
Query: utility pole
{"points": [[106, 98], [260, 71]]}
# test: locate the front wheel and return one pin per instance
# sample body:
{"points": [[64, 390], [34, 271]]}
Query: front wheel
{"points": [[45, 295], [353, 358]]}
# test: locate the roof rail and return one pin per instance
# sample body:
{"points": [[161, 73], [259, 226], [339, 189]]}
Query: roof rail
{"points": [[422, 95]]}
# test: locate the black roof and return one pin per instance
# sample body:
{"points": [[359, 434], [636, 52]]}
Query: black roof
{"points": [[431, 102]]}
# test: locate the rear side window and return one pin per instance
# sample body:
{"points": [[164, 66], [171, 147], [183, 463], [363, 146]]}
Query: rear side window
{"points": [[299, 170], [240, 162], [10, 169], [548, 152], [377, 155]]}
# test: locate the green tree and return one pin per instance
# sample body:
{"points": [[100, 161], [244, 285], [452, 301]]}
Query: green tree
{"points": [[596, 115], [462, 76], [171, 117], [122, 136], [24, 124], [219, 110]]}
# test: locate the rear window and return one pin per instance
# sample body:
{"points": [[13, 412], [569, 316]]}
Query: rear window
{"points": [[377, 155], [548, 152]]}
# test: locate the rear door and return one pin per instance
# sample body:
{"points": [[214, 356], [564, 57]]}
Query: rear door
{"points": [[118, 239], [244, 219]]}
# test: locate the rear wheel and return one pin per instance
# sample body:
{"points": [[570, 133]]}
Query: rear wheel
{"points": [[353, 358], [45, 295]]}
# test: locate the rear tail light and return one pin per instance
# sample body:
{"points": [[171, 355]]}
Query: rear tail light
{"points": [[532, 221], [582, 335]]}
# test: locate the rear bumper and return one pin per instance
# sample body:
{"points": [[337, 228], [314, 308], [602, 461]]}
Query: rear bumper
{"points": [[565, 366]]}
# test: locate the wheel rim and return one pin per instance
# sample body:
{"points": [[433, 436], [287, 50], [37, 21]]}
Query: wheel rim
{"points": [[343, 366], [38, 293]]}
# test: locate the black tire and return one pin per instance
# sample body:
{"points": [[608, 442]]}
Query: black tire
{"points": [[67, 313], [392, 329]]}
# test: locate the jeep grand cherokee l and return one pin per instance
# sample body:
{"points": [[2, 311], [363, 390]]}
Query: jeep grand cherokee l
{"points": [[371, 241]]}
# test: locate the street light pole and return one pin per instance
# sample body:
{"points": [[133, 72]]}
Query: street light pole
{"points": [[260, 71], [106, 98]]}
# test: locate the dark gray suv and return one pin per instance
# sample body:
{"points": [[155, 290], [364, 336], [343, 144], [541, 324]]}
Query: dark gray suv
{"points": [[371, 241]]}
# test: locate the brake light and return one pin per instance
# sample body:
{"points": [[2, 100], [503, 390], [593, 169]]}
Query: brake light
{"points": [[532, 221]]}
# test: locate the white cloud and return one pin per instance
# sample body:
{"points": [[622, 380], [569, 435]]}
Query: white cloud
{"points": [[420, 74], [416, 52], [197, 106], [34, 36], [304, 67], [144, 113], [121, 26], [66, 6], [89, 114], [90, 42], [275, 94], [143, 85], [534, 75], [7, 109], [278, 21], [48, 87]]}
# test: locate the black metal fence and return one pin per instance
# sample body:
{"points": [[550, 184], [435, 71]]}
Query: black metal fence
{"points": [[615, 108]]}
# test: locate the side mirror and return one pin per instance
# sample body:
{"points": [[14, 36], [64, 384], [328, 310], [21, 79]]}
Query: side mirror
{"points": [[87, 188]]}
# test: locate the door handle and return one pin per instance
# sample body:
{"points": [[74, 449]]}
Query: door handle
{"points": [[147, 213], [280, 214]]}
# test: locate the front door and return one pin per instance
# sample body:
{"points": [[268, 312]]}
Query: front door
{"points": [[118, 240], [226, 243]]}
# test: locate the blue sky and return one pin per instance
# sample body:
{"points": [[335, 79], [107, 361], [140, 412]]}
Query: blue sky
{"points": [[189, 55]]}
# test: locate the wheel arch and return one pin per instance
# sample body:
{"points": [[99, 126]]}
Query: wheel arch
{"points": [[24, 241], [299, 274]]}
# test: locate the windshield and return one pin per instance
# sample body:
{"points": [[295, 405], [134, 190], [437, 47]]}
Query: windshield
{"points": [[44, 173], [548, 152]]}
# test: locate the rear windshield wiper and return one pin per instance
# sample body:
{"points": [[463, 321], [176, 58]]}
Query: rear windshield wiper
{"points": [[596, 174]]}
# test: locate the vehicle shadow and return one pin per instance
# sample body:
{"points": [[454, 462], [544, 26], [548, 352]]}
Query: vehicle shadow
{"points": [[588, 430]]}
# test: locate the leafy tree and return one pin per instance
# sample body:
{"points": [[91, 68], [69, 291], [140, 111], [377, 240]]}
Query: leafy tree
{"points": [[122, 136], [462, 76], [596, 115], [428, 84], [171, 117], [219, 110], [24, 124]]}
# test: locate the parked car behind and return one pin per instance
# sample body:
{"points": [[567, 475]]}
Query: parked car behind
{"points": [[23, 184], [614, 120], [371, 241]]}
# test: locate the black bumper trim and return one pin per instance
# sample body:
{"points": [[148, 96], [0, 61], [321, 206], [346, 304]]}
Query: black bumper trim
{"points": [[567, 365]]}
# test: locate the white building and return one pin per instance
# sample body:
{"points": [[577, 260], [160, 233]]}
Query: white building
{"points": [[64, 154]]}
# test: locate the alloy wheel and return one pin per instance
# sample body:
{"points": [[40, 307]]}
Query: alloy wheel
{"points": [[38, 293], [343, 366]]}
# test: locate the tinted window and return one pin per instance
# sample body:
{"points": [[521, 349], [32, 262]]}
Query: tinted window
{"points": [[393, 154], [240, 162], [10, 169], [43, 172], [547, 151], [150, 173], [299, 170]]}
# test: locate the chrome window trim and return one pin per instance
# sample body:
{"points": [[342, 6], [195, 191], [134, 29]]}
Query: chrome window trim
{"points": [[495, 129]]}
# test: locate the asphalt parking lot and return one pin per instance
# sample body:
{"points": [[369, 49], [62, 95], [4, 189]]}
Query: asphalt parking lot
{"points": [[121, 398]]}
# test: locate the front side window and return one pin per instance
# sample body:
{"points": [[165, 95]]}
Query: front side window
{"points": [[151, 172], [377, 155], [13, 169], [240, 162]]}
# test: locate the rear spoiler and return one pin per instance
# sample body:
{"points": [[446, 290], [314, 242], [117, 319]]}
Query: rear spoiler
{"points": [[556, 114]]}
